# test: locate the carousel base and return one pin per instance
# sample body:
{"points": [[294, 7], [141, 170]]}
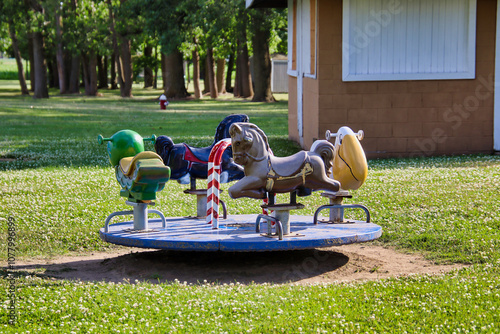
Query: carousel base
{"points": [[237, 233]]}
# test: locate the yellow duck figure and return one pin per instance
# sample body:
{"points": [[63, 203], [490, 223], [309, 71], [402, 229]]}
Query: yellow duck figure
{"points": [[350, 167]]}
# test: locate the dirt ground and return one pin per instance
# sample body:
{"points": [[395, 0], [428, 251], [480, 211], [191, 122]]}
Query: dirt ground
{"points": [[326, 265]]}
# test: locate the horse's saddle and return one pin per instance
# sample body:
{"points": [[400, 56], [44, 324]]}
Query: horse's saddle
{"points": [[129, 164], [288, 166], [283, 172], [195, 154]]}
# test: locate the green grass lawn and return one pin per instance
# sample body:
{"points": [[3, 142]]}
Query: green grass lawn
{"points": [[57, 187], [8, 69]]}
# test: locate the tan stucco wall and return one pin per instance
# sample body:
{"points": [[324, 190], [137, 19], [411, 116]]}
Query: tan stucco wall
{"points": [[310, 121], [311, 111], [399, 118]]}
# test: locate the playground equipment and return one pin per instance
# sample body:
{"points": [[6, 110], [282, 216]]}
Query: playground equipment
{"points": [[350, 168], [141, 174], [189, 164], [265, 175]]}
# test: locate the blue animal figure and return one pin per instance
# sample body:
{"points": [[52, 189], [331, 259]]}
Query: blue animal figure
{"points": [[187, 163]]}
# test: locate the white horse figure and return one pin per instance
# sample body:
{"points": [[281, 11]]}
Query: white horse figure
{"points": [[267, 173]]}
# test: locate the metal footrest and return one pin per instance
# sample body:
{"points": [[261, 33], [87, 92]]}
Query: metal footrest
{"points": [[140, 214], [339, 212], [269, 219]]}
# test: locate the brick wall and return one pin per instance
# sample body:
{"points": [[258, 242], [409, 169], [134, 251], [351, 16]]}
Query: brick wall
{"points": [[400, 118]]}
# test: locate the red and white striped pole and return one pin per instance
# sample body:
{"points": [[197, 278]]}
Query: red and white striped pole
{"points": [[213, 187]]}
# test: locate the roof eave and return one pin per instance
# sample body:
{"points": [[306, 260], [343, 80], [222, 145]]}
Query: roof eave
{"points": [[266, 3]]}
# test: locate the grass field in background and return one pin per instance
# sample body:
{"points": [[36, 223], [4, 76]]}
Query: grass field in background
{"points": [[58, 187], [8, 69]]}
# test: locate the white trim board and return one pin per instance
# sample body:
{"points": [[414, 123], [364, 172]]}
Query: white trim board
{"points": [[496, 108]]}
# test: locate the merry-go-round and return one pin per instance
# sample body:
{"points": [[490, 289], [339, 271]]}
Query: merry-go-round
{"points": [[240, 152]]}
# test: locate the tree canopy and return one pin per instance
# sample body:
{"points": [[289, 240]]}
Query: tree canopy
{"points": [[68, 42]]}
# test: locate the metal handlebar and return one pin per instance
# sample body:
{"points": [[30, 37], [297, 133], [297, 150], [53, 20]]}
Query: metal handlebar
{"points": [[101, 139], [329, 135]]}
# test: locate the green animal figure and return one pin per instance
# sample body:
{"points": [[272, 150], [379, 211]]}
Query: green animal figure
{"points": [[141, 174]]}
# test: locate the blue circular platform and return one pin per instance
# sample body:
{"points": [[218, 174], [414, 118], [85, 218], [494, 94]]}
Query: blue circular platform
{"points": [[237, 234]]}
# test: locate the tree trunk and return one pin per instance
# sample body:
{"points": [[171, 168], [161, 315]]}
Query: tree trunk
{"points": [[85, 69], [173, 75], [221, 65], [229, 74], [102, 71], [123, 57], [40, 64], [31, 57], [19, 61], [90, 73], [60, 54], [148, 71], [261, 60], [243, 87], [155, 82], [164, 79], [125, 72], [237, 79], [196, 72], [67, 68], [74, 81], [74, 63], [203, 75], [105, 72], [212, 83], [52, 73], [243, 81], [113, 79]]}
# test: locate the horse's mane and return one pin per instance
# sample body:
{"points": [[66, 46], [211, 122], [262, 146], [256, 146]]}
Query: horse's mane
{"points": [[254, 127]]}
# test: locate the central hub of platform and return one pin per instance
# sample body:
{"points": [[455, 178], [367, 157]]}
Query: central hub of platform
{"points": [[237, 234]]}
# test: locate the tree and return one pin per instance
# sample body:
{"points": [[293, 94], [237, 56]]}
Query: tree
{"points": [[173, 75], [243, 83], [122, 26], [263, 21], [149, 63], [221, 69], [147, 59], [60, 51], [17, 55], [222, 26], [87, 38], [229, 73], [39, 61], [10, 12], [196, 69], [102, 71], [194, 41], [266, 27], [210, 73], [71, 37], [164, 19]]}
